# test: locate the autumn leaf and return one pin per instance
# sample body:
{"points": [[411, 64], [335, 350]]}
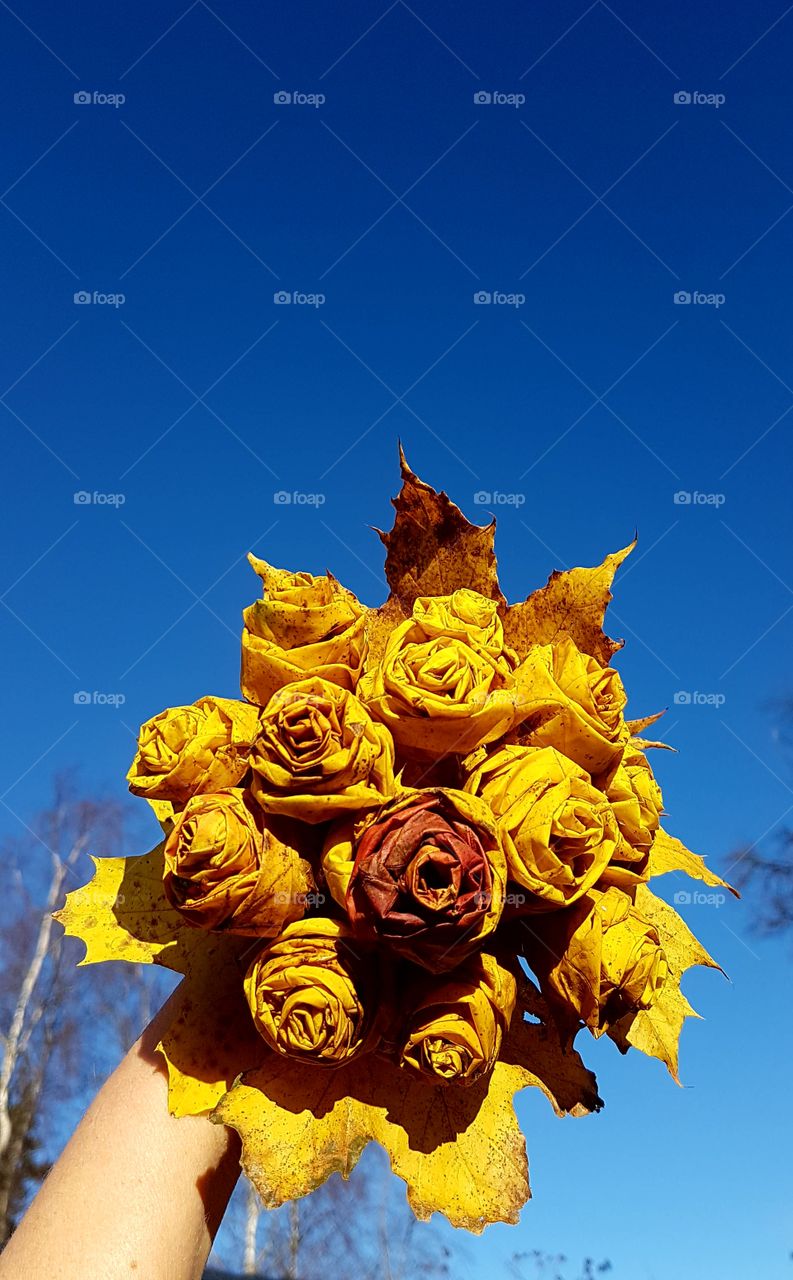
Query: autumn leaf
{"points": [[573, 602], [123, 914], [656, 1031], [460, 1151], [211, 1039], [668, 854], [637, 727], [432, 549]]}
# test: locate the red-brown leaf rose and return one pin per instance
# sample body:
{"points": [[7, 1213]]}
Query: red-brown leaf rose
{"points": [[426, 875]]}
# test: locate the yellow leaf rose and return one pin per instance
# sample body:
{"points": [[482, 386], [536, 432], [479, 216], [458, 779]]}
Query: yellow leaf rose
{"points": [[454, 1033], [226, 870], [599, 960], [301, 625], [578, 704], [445, 682], [560, 832], [319, 754], [186, 750], [636, 799], [313, 995]]}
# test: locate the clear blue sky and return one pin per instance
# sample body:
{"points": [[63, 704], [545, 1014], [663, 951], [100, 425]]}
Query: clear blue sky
{"points": [[596, 399]]}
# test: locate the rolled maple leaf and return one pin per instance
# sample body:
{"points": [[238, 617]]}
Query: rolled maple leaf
{"points": [[313, 995], [599, 960], [426, 875], [225, 870], [637, 803], [319, 753], [184, 751], [560, 833], [577, 705], [303, 624], [454, 1033], [446, 682]]}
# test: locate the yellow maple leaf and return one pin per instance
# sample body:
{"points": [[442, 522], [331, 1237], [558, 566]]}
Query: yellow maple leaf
{"points": [[460, 1151], [656, 1031], [573, 601], [668, 854], [123, 914]]}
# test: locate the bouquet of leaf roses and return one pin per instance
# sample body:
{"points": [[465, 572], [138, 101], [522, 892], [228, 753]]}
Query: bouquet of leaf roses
{"points": [[404, 872]]}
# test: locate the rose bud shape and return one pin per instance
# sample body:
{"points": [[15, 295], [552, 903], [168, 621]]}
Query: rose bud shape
{"points": [[188, 750], [454, 1033], [598, 961], [302, 625], [225, 870], [559, 832], [312, 995], [578, 704], [319, 754], [637, 802], [445, 682], [425, 876]]}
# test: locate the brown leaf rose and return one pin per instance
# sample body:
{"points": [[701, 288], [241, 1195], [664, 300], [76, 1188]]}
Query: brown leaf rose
{"points": [[426, 875], [226, 870]]}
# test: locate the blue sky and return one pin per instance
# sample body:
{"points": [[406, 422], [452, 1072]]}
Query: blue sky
{"points": [[581, 198]]}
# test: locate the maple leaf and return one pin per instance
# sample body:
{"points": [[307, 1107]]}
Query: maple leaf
{"points": [[669, 854], [573, 601], [123, 914], [656, 1031], [433, 549], [460, 1151]]}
